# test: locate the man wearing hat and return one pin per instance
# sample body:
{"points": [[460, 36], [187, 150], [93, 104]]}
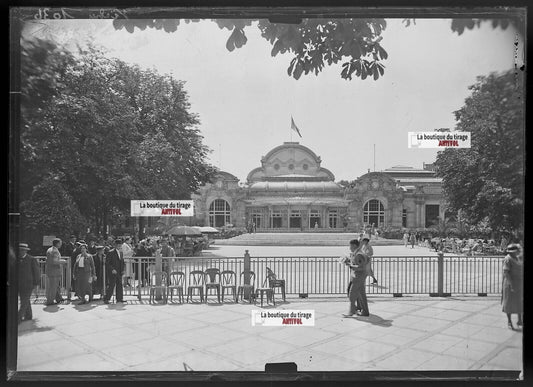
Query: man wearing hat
{"points": [[28, 281], [53, 272], [512, 287], [68, 250], [69, 247], [99, 259], [114, 268], [73, 257]]}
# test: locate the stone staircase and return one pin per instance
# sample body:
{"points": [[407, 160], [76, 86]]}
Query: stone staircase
{"points": [[300, 239]]}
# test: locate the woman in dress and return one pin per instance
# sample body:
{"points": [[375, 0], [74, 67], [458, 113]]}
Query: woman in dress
{"points": [[405, 238], [512, 287], [84, 274], [367, 250]]}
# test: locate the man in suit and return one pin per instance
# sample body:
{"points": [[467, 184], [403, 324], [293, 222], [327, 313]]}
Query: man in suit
{"points": [[357, 292], [67, 250], [167, 251], [53, 272], [143, 251], [28, 281], [114, 266], [69, 247], [73, 257]]}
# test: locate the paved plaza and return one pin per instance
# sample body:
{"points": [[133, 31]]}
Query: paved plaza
{"points": [[411, 333], [313, 251], [421, 333]]}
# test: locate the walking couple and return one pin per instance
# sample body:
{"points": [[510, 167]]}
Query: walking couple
{"points": [[359, 263]]}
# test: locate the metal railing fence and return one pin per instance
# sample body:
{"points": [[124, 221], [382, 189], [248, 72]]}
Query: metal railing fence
{"points": [[326, 275]]}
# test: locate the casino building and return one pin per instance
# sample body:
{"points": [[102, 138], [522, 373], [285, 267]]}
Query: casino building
{"points": [[291, 191]]}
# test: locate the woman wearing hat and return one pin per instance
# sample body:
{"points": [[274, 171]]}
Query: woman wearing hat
{"points": [[513, 278], [84, 274]]}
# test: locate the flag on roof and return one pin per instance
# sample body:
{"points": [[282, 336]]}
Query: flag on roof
{"points": [[295, 128]]}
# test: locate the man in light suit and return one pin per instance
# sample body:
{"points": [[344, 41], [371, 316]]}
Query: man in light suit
{"points": [[114, 266], [357, 292], [53, 272]]}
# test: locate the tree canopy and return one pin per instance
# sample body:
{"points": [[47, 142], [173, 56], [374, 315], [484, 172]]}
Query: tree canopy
{"points": [[97, 132], [486, 181], [317, 42]]}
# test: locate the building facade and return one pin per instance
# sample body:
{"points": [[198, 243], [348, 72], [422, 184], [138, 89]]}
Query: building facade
{"points": [[291, 191]]}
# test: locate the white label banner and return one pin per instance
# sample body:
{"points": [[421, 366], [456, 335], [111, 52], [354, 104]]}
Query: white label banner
{"points": [[439, 140], [279, 318], [162, 208]]}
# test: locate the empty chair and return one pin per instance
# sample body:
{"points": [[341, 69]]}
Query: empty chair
{"points": [[241, 290], [265, 289], [212, 281], [177, 282], [196, 281], [227, 281], [158, 281], [274, 282]]}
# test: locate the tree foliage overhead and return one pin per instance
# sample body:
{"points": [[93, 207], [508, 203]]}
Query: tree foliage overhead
{"points": [[486, 181], [314, 43], [104, 132], [317, 42]]}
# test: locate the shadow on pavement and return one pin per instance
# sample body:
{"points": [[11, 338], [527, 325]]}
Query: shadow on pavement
{"points": [[52, 308], [375, 320], [31, 327], [85, 307]]}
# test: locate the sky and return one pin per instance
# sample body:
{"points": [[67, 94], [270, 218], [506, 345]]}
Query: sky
{"points": [[245, 99]]}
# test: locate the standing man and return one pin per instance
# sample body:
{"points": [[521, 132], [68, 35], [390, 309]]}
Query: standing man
{"points": [[92, 247], [358, 282], [28, 281], [142, 252], [68, 251], [114, 265], [99, 259], [167, 251], [69, 247], [412, 239], [73, 258], [53, 272], [127, 252]]}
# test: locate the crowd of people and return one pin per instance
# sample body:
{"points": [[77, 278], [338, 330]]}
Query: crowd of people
{"points": [[87, 262], [88, 276], [460, 246]]}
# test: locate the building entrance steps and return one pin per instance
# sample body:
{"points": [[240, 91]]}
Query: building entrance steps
{"points": [[301, 239]]}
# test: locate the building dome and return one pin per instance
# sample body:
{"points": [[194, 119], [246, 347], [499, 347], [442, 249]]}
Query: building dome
{"points": [[288, 162]]}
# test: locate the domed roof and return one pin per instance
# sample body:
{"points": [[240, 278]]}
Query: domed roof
{"points": [[291, 161]]}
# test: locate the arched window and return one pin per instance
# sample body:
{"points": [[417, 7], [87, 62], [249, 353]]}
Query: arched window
{"points": [[219, 213], [374, 213]]}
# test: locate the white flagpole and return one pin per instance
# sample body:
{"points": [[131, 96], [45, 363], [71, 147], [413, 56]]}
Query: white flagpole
{"points": [[374, 157]]}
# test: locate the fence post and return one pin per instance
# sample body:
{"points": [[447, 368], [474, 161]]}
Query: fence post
{"points": [[68, 278], [158, 279], [247, 266], [440, 274]]}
